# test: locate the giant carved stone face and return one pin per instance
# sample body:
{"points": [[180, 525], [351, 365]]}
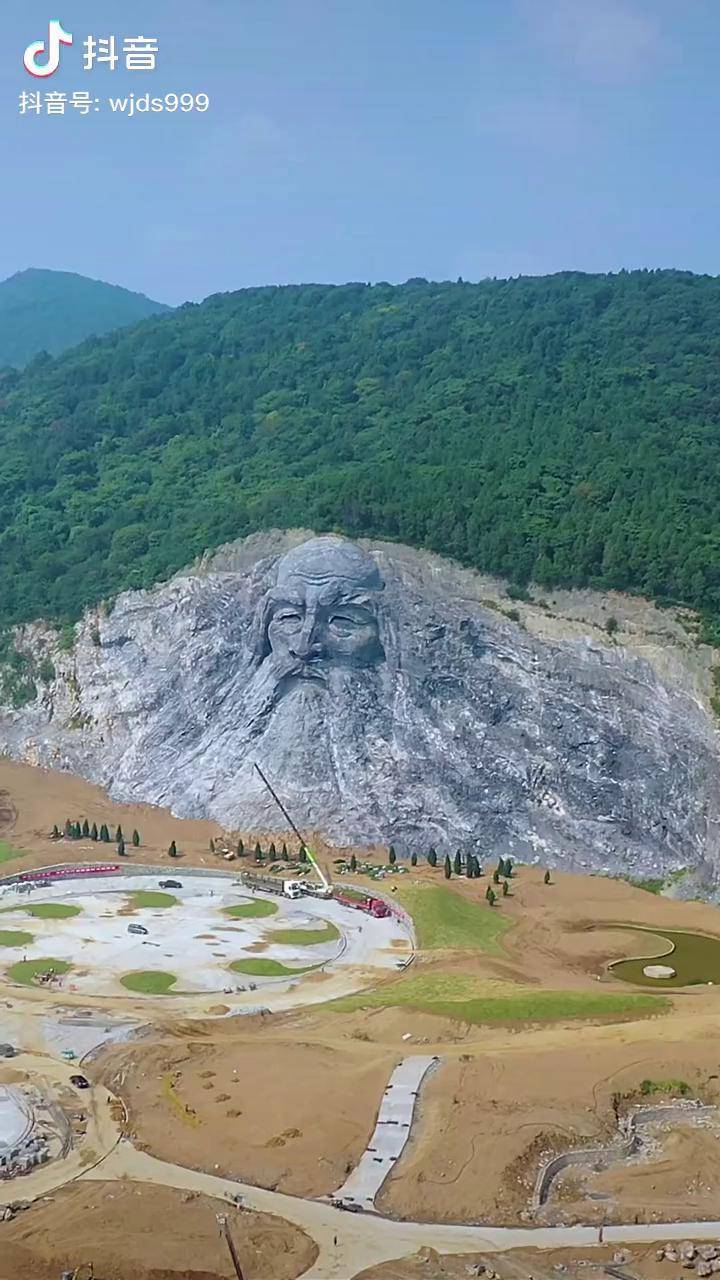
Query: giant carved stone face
{"points": [[321, 613]]}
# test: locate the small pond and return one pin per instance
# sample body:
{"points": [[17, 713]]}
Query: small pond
{"points": [[695, 957]]}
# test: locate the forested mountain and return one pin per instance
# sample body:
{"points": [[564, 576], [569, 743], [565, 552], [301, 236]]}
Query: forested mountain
{"points": [[564, 429], [54, 310]]}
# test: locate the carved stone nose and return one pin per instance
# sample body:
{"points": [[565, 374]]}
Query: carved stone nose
{"points": [[305, 649], [306, 645]]}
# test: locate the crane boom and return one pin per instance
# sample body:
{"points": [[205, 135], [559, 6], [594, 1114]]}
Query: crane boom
{"points": [[323, 878]]}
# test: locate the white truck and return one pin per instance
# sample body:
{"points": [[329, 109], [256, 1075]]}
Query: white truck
{"points": [[273, 884]]}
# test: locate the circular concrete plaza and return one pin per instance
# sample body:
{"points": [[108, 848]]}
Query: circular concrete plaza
{"points": [[130, 935]]}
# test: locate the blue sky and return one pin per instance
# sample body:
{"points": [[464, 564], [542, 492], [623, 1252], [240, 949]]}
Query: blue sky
{"points": [[369, 141]]}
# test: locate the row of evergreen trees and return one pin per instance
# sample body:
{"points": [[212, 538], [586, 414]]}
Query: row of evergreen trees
{"points": [[84, 831], [259, 854]]}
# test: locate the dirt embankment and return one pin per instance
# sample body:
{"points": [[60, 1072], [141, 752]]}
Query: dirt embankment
{"points": [[503, 1113], [131, 1231], [523, 1264]]}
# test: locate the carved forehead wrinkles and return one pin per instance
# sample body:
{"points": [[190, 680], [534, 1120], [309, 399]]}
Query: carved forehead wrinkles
{"points": [[298, 592], [330, 563]]}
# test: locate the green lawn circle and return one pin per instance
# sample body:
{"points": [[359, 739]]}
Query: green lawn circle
{"points": [[150, 898], [52, 910], [26, 971], [15, 938], [262, 968], [304, 937], [256, 908], [149, 982]]}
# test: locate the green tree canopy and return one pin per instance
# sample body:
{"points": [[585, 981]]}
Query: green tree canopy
{"points": [[561, 428]]}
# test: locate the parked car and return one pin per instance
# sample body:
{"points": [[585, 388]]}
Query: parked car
{"points": [[80, 1082], [170, 884], [137, 928], [7, 1051]]}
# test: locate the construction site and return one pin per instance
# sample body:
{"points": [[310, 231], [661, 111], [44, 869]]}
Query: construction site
{"points": [[172, 1028]]}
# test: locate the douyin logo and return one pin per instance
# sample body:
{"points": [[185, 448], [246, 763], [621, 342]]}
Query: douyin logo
{"points": [[42, 59]]}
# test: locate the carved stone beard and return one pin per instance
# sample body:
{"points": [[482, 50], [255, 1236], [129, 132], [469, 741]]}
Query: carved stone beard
{"points": [[297, 728]]}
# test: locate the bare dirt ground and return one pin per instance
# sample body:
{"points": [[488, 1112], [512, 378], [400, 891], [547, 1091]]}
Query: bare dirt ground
{"points": [[32, 800], [277, 1113], [504, 1111], [132, 1231], [523, 1264]]}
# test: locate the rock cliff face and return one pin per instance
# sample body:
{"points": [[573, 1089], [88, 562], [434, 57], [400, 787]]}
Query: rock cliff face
{"points": [[388, 703]]}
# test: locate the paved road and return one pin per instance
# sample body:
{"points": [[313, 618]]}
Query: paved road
{"points": [[364, 1239], [101, 1135], [391, 1132], [367, 1239]]}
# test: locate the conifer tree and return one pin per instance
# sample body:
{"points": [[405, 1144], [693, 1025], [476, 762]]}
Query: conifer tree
{"points": [[272, 852], [448, 868], [94, 831], [546, 878], [240, 851], [136, 838], [496, 877], [457, 868], [490, 897], [303, 853], [118, 834], [121, 847], [55, 832], [413, 859], [85, 828], [284, 852], [505, 888], [104, 834], [258, 852], [353, 862], [172, 851], [392, 856], [432, 858], [77, 831], [212, 845]]}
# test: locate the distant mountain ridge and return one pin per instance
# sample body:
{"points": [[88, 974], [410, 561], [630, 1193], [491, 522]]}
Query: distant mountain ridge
{"points": [[54, 310]]}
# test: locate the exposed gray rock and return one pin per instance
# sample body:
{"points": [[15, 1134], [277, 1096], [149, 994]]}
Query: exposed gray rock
{"points": [[387, 706]]}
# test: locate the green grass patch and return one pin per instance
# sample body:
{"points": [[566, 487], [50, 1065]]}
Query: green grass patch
{"points": [[15, 938], [148, 898], [257, 907], [468, 999], [672, 1088], [303, 937], [149, 982], [27, 971], [8, 852], [443, 919], [267, 968], [52, 910], [650, 885]]}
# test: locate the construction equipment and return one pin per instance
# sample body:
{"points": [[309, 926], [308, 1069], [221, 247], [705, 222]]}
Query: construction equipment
{"points": [[271, 884], [322, 890], [371, 906]]}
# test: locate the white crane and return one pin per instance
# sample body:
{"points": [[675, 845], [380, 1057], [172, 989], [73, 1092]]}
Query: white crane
{"points": [[322, 890]]}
